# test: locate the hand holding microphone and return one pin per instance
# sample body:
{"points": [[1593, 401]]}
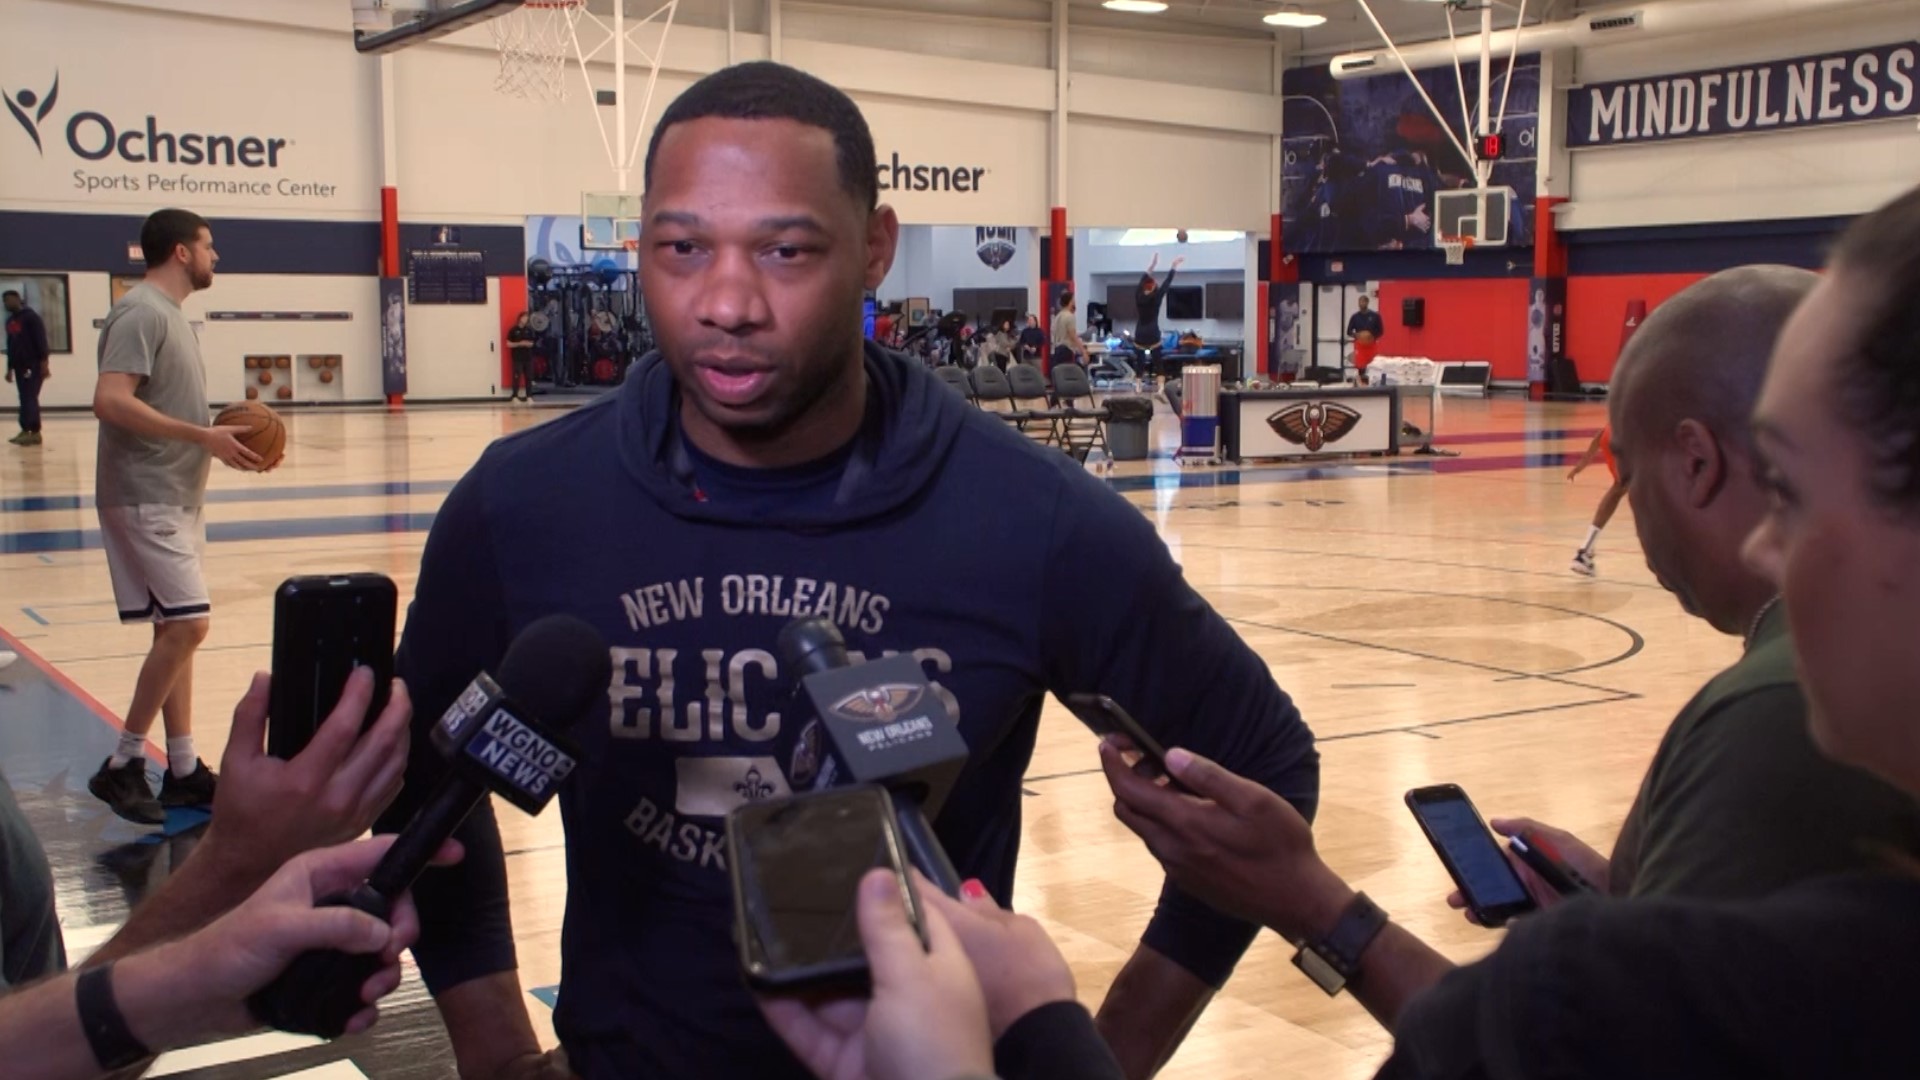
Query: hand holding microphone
{"points": [[500, 736]]}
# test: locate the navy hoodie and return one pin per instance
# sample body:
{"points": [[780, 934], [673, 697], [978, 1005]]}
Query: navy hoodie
{"points": [[940, 531]]}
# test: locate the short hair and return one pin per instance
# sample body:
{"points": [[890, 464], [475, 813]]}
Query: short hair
{"points": [[1880, 386], [15, 293], [1703, 355], [763, 90], [167, 229]]}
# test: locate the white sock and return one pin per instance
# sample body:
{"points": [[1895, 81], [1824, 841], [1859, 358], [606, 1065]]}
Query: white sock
{"points": [[131, 746], [180, 756], [1593, 533]]}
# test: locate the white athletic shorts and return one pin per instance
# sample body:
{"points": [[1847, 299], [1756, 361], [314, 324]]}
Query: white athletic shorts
{"points": [[153, 553]]}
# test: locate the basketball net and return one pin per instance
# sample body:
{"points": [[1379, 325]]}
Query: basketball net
{"points": [[535, 42], [1456, 249]]}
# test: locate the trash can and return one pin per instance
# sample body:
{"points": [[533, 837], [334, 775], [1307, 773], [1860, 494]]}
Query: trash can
{"points": [[1128, 417]]}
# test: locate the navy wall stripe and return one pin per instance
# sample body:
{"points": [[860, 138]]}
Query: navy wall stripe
{"points": [[98, 242], [1659, 249]]}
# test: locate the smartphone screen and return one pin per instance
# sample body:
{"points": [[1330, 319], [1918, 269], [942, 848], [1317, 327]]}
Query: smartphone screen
{"points": [[324, 627], [1470, 853], [798, 864]]}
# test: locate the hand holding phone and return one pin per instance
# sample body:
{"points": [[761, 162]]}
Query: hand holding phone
{"points": [[326, 626], [1493, 891], [1105, 716]]}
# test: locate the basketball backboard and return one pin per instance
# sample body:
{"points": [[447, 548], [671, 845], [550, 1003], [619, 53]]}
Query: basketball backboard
{"points": [[609, 221], [1478, 214]]}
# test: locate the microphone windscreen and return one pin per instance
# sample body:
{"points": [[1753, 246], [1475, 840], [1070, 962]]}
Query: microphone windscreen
{"points": [[809, 646], [556, 669]]}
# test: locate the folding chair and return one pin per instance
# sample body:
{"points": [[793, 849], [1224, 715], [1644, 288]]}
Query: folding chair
{"points": [[957, 379], [1031, 396], [1083, 423]]}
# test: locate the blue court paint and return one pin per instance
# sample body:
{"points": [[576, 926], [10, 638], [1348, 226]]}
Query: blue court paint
{"points": [[406, 522], [38, 503], [546, 995], [35, 616]]}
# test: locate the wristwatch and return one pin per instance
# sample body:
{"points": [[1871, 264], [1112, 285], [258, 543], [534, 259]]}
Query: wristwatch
{"points": [[1333, 959]]}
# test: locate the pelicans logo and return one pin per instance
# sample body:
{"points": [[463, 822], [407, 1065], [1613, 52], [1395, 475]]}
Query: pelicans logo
{"points": [[995, 245], [1313, 424], [878, 704]]}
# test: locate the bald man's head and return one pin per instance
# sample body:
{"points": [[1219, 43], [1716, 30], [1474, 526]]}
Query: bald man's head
{"points": [[1680, 402], [1702, 355]]}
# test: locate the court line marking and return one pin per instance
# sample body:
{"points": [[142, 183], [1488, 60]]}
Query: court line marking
{"points": [[230, 1051], [1564, 577]]}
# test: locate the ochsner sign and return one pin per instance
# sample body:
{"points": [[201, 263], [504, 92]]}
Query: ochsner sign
{"points": [[122, 153]]}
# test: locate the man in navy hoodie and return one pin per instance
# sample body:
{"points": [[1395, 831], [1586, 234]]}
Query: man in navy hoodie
{"points": [[766, 464]]}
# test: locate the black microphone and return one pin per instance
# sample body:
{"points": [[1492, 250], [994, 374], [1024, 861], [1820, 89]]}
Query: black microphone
{"points": [[504, 737], [885, 726]]}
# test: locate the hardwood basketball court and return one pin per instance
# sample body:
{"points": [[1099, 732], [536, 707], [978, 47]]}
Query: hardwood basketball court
{"points": [[1419, 610]]}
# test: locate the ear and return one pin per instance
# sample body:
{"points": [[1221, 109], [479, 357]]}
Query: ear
{"points": [[1703, 462], [883, 236]]}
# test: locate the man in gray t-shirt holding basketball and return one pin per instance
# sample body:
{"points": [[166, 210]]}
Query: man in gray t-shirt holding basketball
{"points": [[150, 490]]}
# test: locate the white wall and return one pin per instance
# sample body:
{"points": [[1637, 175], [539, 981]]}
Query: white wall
{"points": [[935, 260], [1789, 174], [968, 88], [225, 345], [267, 82]]}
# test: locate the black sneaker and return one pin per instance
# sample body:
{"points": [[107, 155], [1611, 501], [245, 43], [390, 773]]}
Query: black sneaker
{"points": [[125, 791], [193, 789]]}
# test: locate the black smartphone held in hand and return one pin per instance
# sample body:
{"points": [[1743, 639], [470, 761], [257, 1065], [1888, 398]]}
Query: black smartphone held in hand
{"points": [[1544, 859], [325, 626], [1105, 716], [1467, 849], [796, 864]]}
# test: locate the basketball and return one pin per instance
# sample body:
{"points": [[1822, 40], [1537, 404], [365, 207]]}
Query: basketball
{"points": [[333, 361], [283, 362], [326, 376], [266, 378], [1364, 337], [253, 392], [285, 393], [266, 434], [316, 362]]}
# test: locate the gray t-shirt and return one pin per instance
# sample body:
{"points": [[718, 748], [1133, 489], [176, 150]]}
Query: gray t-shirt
{"points": [[147, 334], [1066, 331]]}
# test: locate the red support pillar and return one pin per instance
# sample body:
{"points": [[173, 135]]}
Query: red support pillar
{"points": [[390, 251], [1054, 273]]}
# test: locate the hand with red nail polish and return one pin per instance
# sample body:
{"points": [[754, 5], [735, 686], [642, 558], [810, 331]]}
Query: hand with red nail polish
{"points": [[1019, 966]]}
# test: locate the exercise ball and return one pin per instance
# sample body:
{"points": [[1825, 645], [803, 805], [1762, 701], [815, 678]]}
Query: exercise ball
{"points": [[606, 270], [539, 271]]}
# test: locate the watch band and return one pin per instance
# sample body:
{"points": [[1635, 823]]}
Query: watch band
{"points": [[1333, 959], [113, 1044]]}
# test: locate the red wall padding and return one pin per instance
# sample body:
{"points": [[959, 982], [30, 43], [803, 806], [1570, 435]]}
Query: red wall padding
{"points": [[1597, 310], [1486, 319], [1467, 319], [513, 301]]}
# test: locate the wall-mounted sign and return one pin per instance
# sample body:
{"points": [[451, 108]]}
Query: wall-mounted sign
{"points": [[1781, 95]]}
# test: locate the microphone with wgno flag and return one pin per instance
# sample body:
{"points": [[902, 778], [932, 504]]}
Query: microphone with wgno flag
{"points": [[500, 736], [884, 725]]}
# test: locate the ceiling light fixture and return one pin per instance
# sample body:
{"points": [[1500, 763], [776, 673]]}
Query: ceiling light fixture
{"points": [[1138, 7], [1295, 19]]}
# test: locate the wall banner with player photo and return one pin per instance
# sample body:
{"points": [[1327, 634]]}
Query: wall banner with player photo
{"points": [[1783, 95], [393, 336], [1362, 158]]}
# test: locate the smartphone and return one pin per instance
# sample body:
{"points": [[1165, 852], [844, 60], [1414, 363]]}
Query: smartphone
{"points": [[1467, 848], [796, 865], [325, 626], [1544, 859], [1105, 716]]}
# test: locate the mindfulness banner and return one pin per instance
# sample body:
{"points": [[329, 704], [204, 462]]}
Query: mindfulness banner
{"points": [[1809, 91]]}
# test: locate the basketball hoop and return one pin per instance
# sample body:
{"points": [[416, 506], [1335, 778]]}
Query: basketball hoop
{"points": [[534, 44], [1456, 248], [632, 244]]}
